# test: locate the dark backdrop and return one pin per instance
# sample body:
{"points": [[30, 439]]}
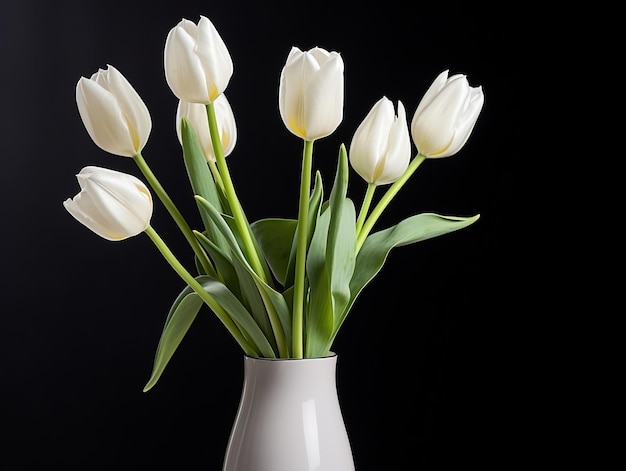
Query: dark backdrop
{"points": [[429, 367]]}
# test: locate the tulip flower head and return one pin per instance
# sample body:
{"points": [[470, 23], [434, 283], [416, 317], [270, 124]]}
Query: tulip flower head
{"points": [[311, 92], [381, 147], [446, 115], [114, 115], [112, 204], [197, 63], [196, 114]]}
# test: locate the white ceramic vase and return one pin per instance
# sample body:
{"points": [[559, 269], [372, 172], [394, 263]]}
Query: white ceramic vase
{"points": [[289, 418]]}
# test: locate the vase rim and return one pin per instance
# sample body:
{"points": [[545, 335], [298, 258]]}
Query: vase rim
{"points": [[325, 357]]}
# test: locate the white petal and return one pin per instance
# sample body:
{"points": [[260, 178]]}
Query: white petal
{"points": [[324, 96], [103, 118], [183, 70], [432, 91], [133, 108], [398, 154], [215, 58]]}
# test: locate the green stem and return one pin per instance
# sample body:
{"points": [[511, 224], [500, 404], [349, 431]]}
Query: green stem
{"points": [[367, 200], [197, 287], [386, 199], [175, 213], [229, 190], [302, 231]]}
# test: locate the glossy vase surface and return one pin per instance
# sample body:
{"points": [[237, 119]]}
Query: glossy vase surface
{"points": [[289, 418]]}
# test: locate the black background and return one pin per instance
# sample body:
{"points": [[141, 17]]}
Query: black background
{"points": [[429, 373]]}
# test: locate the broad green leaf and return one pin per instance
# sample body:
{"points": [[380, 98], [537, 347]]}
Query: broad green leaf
{"points": [[275, 237], [332, 260], [200, 176], [182, 314], [377, 246], [319, 320], [179, 319], [341, 243]]}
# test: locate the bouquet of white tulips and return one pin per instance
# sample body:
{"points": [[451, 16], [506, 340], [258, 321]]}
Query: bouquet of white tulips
{"points": [[281, 287]]}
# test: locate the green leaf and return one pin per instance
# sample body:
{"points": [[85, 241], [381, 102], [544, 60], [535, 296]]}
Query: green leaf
{"points": [[184, 311], [341, 244], [277, 309], [179, 319], [252, 298], [377, 246], [222, 262], [200, 176], [239, 271], [239, 314], [319, 319], [275, 237], [330, 263], [234, 229]]}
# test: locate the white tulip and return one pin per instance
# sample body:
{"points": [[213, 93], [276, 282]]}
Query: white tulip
{"points": [[311, 92], [196, 114], [380, 150], [197, 63], [113, 113], [112, 204], [446, 116]]}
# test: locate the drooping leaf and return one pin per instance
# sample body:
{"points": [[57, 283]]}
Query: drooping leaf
{"points": [[184, 311], [377, 246], [180, 317]]}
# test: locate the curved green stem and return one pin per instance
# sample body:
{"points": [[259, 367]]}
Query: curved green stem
{"points": [[229, 190], [199, 290], [367, 200], [175, 213], [386, 199], [301, 240]]}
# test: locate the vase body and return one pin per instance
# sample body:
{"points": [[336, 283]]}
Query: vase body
{"points": [[289, 418]]}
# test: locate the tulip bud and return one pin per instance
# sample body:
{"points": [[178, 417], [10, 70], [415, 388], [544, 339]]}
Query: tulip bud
{"points": [[446, 115], [198, 65], [112, 204], [196, 114], [311, 93], [381, 147], [113, 113]]}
